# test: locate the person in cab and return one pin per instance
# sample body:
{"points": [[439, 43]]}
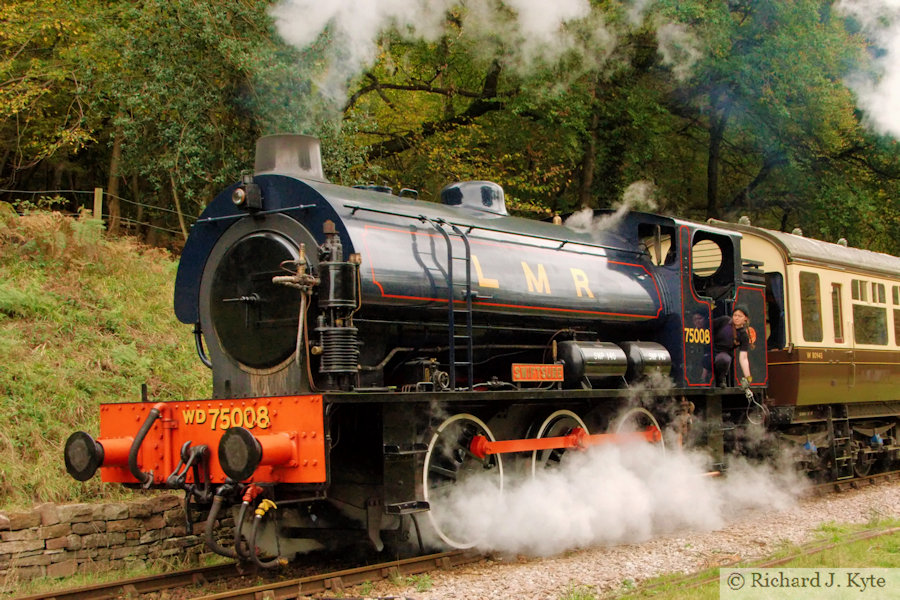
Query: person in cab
{"points": [[732, 335]]}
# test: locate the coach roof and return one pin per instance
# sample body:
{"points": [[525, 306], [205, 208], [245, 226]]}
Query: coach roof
{"points": [[802, 249]]}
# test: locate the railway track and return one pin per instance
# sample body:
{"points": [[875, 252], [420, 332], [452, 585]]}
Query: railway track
{"points": [[275, 590], [143, 585], [856, 482], [336, 581]]}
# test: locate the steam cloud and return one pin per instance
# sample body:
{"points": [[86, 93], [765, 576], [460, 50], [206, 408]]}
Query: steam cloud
{"points": [[678, 48], [610, 495], [535, 28], [640, 195], [879, 96], [527, 33]]}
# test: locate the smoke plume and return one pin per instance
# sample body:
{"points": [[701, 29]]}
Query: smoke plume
{"points": [[879, 92]]}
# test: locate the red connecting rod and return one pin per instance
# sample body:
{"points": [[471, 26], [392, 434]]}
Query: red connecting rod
{"points": [[578, 438]]}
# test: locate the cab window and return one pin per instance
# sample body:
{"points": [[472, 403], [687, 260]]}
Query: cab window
{"points": [[658, 242], [712, 266]]}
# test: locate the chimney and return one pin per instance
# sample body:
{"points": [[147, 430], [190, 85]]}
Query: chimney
{"points": [[290, 154]]}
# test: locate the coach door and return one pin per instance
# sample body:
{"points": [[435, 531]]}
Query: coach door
{"points": [[842, 328]]}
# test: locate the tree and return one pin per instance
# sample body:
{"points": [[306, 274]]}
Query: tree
{"points": [[167, 97], [770, 95], [45, 107]]}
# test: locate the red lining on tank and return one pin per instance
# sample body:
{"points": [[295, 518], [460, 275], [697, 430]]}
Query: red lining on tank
{"points": [[503, 305]]}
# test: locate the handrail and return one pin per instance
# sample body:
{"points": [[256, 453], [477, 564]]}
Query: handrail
{"points": [[354, 208], [254, 214]]}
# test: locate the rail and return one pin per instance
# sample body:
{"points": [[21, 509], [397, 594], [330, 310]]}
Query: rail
{"points": [[338, 580], [142, 585]]}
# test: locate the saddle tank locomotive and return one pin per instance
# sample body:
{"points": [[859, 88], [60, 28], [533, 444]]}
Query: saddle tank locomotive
{"points": [[369, 350]]}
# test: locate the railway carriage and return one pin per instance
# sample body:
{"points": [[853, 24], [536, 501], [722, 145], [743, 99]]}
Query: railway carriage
{"points": [[370, 351], [833, 340]]}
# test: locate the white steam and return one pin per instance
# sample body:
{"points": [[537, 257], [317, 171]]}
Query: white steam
{"points": [[640, 195], [541, 20], [610, 495], [879, 95], [637, 10], [530, 28], [678, 48]]}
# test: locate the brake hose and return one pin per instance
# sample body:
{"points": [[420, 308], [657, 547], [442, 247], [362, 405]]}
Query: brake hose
{"points": [[210, 525], [264, 506], [145, 479], [250, 494]]}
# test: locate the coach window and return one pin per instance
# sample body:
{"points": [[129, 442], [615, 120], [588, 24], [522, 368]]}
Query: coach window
{"points": [[707, 258], [870, 325], [775, 337], [897, 326], [810, 307], [858, 290], [896, 297], [836, 313]]}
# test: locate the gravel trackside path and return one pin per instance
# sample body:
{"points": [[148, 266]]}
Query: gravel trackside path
{"points": [[752, 535]]}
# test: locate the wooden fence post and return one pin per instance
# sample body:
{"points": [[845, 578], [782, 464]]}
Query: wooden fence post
{"points": [[98, 203]]}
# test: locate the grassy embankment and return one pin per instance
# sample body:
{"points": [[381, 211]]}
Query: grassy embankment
{"points": [[880, 552], [83, 320]]}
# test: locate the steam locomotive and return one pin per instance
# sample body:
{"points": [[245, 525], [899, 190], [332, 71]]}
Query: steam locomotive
{"points": [[370, 351]]}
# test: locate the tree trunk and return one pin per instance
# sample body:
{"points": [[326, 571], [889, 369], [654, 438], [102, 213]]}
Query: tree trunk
{"points": [[136, 195], [178, 207], [784, 219], [716, 134], [12, 171], [588, 163], [112, 185]]}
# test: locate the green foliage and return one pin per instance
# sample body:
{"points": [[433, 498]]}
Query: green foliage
{"points": [[422, 582], [727, 108], [21, 304], [579, 592], [198, 92], [366, 588], [38, 203], [43, 104], [82, 321], [183, 87]]}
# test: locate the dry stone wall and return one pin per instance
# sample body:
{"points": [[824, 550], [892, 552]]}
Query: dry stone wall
{"points": [[61, 540]]}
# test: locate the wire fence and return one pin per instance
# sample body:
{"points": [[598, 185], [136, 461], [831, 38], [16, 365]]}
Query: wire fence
{"points": [[39, 198]]}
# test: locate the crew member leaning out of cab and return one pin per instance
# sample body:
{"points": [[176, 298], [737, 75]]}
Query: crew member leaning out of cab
{"points": [[731, 334]]}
